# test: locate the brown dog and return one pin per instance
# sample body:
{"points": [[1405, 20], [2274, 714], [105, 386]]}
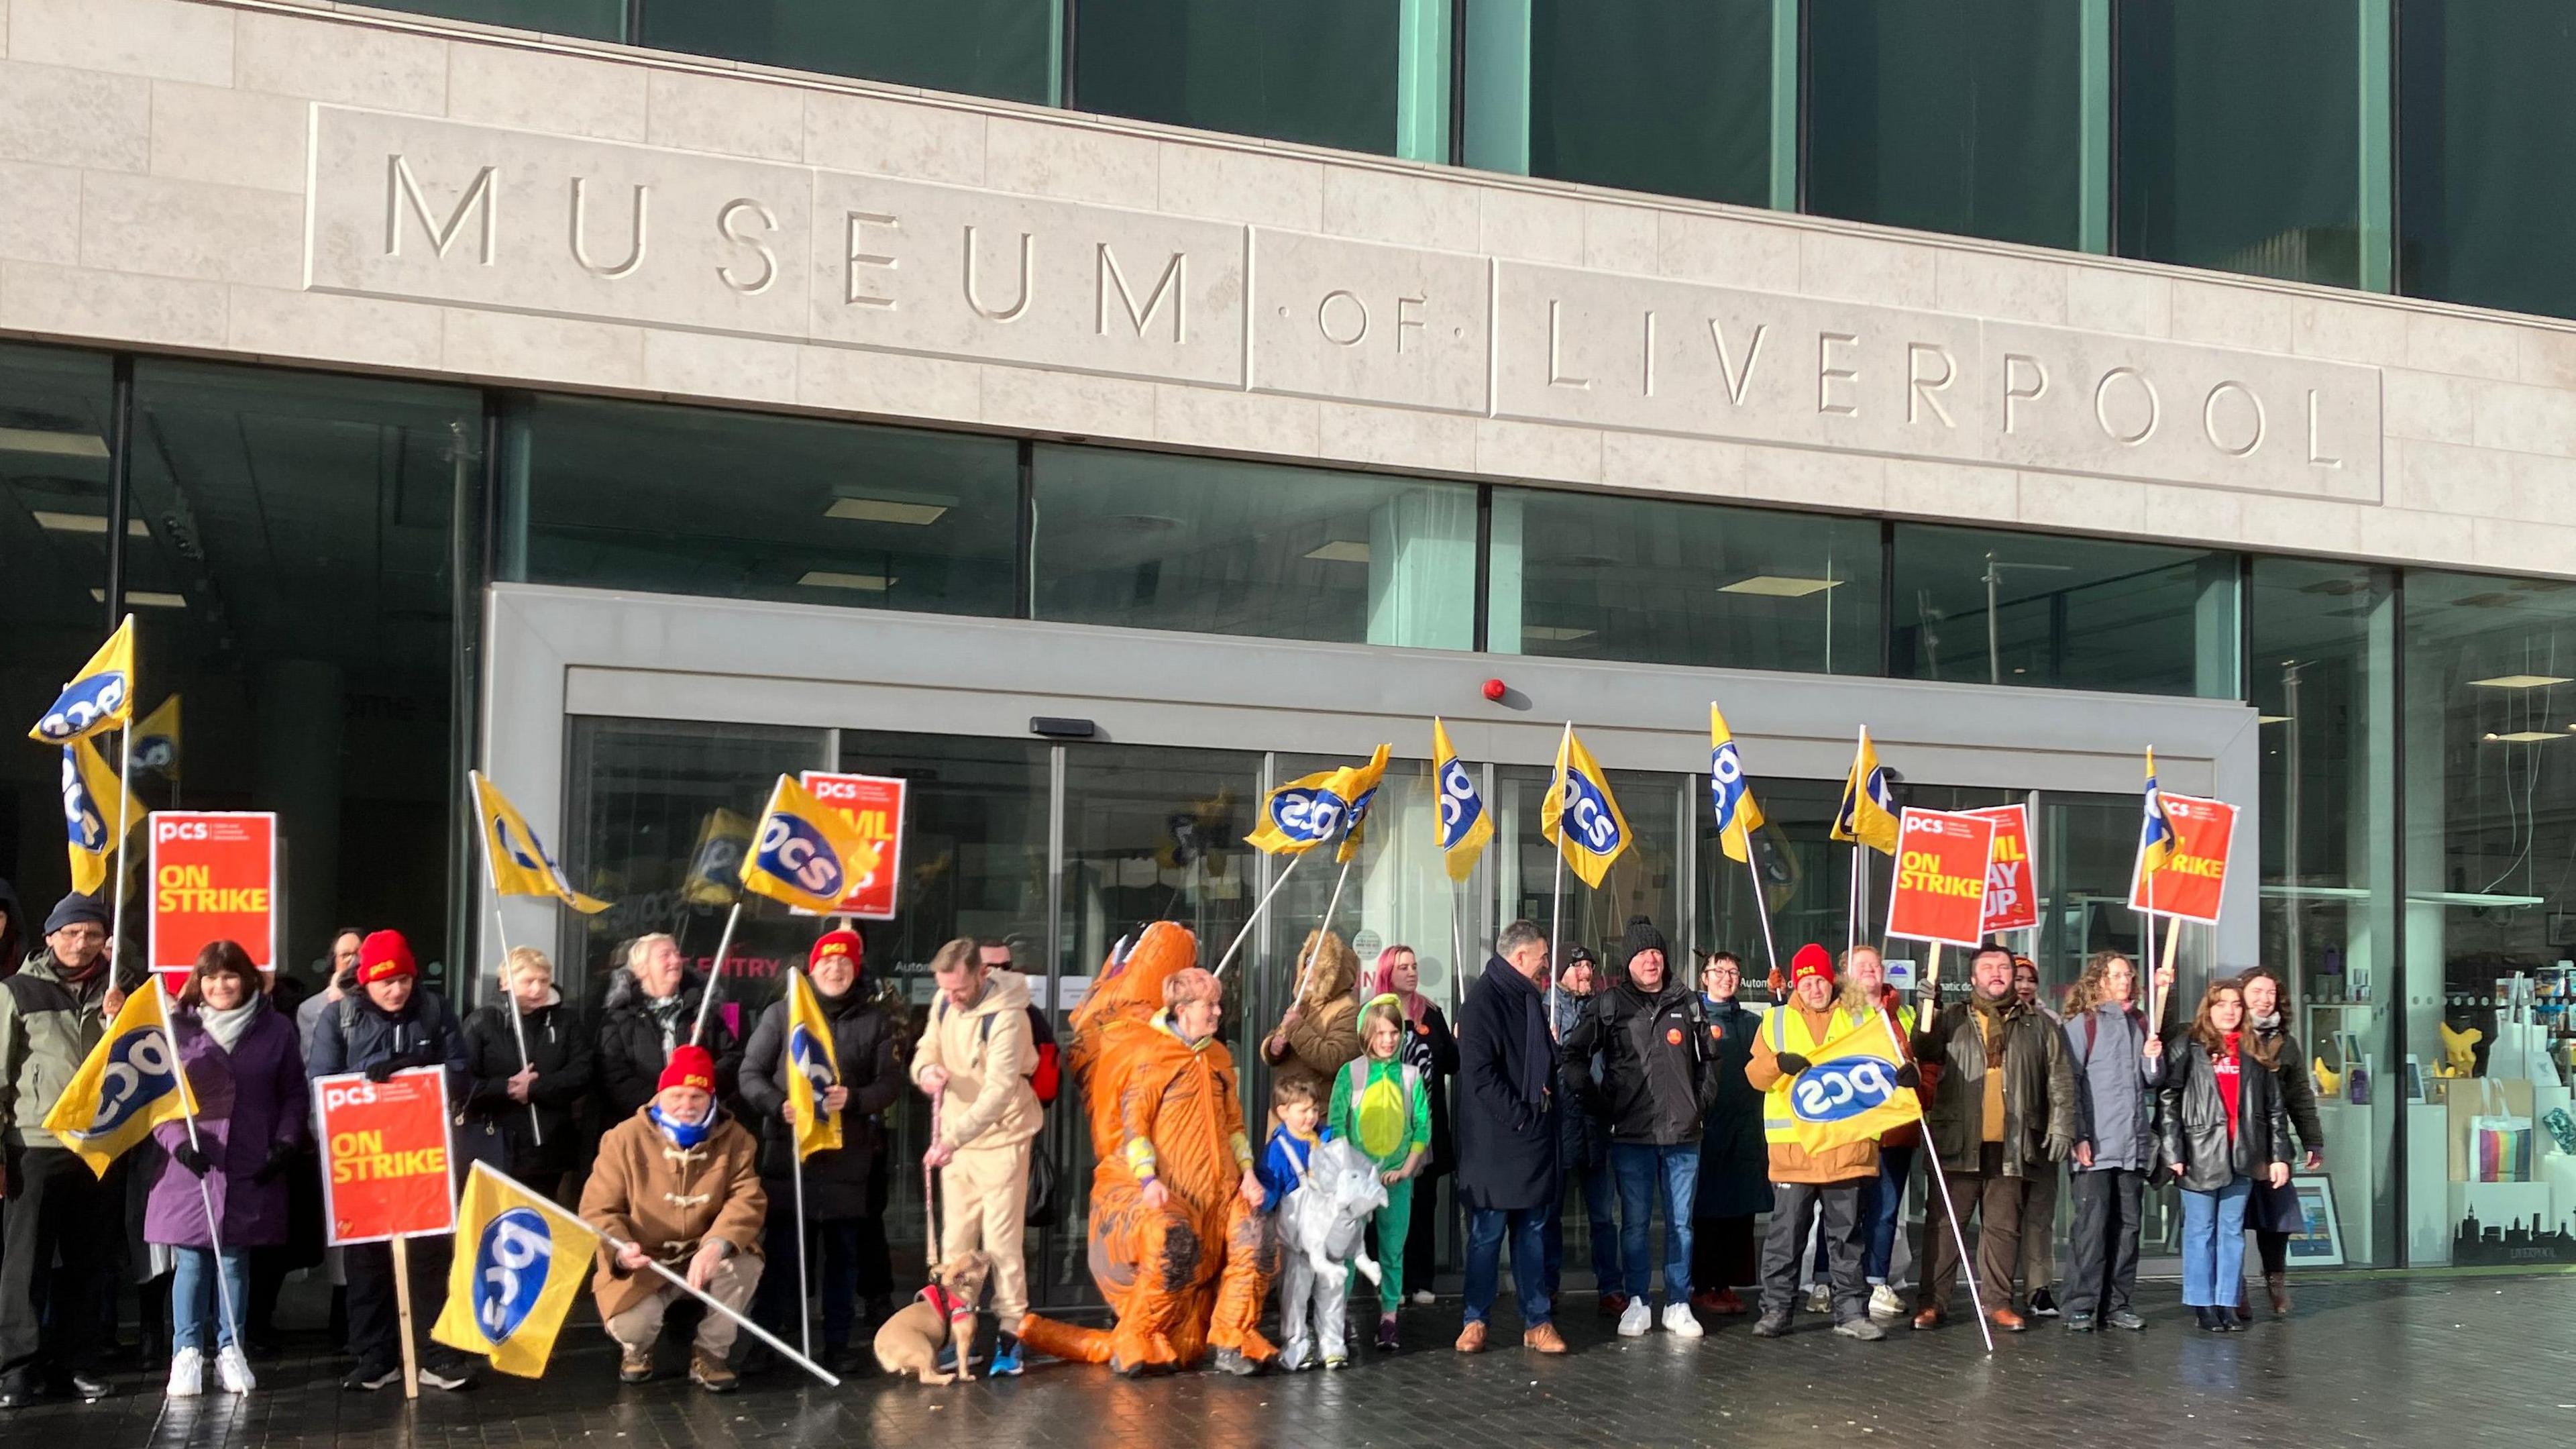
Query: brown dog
{"points": [[944, 1312]]}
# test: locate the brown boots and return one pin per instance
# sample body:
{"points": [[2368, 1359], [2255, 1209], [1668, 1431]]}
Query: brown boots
{"points": [[2278, 1286]]}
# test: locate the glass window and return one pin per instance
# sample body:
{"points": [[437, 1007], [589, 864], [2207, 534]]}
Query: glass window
{"points": [[1162, 542], [1667, 96], [2320, 679], [2483, 107], [2239, 136], [2490, 825], [1596, 576], [1318, 71], [590, 19], [293, 582], [55, 406], [978, 47], [659, 815], [2071, 613], [1646, 879], [1948, 115], [620, 495]]}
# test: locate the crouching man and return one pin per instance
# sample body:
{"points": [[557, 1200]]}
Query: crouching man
{"points": [[679, 1182]]}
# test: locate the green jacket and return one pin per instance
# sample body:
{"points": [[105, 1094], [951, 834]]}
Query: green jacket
{"points": [[1345, 1109], [48, 1027]]}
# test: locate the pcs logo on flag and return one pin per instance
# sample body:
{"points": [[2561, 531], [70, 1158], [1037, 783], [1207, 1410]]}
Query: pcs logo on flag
{"points": [[794, 850], [1837, 1090], [137, 1074], [1589, 815], [511, 1264], [809, 1058]]}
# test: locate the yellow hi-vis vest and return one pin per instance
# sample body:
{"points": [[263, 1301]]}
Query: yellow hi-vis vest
{"points": [[1786, 1025]]}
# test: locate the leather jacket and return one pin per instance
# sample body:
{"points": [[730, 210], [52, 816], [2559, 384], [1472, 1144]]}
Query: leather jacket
{"points": [[2039, 1088], [2191, 1121]]}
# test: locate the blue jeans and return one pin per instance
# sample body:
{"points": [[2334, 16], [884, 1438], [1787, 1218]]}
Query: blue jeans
{"points": [[1642, 1169], [192, 1296], [774, 1303], [2213, 1244], [1598, 1189], [1528, 1229]]}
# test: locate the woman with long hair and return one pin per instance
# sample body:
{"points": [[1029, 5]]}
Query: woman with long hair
{"points": [[1433, 1050], [247, 1075], [2274, 1211], [2223, 1130]]}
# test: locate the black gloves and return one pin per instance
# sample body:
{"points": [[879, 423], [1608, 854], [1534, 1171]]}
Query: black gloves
{"points": [[279, 1154], [1791, 1064], [401, 1062], [187, 1156], [2060, 1147], [379, 1071], [1909, 1075]]}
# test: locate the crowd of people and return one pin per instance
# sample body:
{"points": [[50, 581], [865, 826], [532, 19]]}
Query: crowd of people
{"points": [[1622, 1092]]}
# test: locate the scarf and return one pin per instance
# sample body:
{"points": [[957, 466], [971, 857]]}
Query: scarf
{"points": [[1518, 995], [226, 1027], [665, 1011], [684, 1135], [1382, 983]]}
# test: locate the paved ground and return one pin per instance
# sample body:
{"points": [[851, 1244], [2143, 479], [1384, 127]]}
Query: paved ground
{"points": [[2458, 1362]]}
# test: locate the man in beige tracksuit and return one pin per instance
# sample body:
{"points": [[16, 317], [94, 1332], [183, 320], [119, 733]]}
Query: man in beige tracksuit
{"points": [[974, 1059]]}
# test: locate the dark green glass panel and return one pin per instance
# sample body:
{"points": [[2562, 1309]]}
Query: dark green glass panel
{"points": [[1668, 96], [1318, 71], [976, 47], [2486, 116]]}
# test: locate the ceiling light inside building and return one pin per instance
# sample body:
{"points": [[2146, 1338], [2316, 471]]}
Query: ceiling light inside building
{"points": [[85, 523], [864, 583], [2523, 737], [1553, 633], [1341, 550], [58, 444], [2281, 719], [145, 598], [886, 510], [1779, 586], [2518, 681]]}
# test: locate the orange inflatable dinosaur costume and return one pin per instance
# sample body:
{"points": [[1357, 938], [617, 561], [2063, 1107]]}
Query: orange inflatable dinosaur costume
{"points": [[1188, 1276]]}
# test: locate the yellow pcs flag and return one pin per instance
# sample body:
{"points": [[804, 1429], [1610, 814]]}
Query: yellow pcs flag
{"points": [[127, 1087], [715, 862], [1848, 1093], [1303, 813], [1466, 827], [518, 1263], [94, 801], [817, 1068], [1364, 782], [156, 741], [520, 865], [1730, 794], [99, 698], [1580, 817], [1867, 814], [805, 852]]}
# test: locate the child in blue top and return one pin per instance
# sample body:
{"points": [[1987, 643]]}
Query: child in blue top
{"points": [[1300, 1110]]}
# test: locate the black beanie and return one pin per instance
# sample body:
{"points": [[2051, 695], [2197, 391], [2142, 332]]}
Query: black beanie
{"points": [[1642, 936]]}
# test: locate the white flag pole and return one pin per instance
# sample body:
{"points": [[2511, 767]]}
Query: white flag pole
{"points": [[205, 1190], [1306, 958], [1556, 892], [1761, 908], [501, 928], [1255, 918], [724, 944]]}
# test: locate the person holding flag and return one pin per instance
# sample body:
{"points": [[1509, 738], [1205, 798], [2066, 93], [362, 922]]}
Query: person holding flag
{"points": [[676, 1184], [820, 1070], [653, 1001], [58, 1234], [246, 1074], [540, 1061], [1819, 1164], [1319, 1034]]}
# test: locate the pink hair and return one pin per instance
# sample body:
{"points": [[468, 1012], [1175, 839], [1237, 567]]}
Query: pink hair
{"points": [[1381, 981]]}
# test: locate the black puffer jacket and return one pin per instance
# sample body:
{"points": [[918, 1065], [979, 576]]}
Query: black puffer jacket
{"points": [[355, 1034], [1655, 1078], [560, 1051], [867, 1046], [2191, 1127], [633, 1042]]}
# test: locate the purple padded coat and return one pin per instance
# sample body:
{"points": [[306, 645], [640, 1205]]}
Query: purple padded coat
{"points": [[247, 1100]]}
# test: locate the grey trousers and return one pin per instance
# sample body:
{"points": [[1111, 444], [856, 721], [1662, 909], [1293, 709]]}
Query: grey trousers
{"points": [[1312, 1311], [1835, 1209]]}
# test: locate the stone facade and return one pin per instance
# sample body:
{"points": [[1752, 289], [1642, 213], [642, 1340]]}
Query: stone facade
{"points": [[347, 188]]}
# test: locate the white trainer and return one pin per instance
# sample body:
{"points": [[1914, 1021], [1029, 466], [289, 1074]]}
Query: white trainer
{"points": [[1679, 1319], [187, 1374], [1883, 1303], [232, 1371], [1820, 1298], [1635, 1319]]}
